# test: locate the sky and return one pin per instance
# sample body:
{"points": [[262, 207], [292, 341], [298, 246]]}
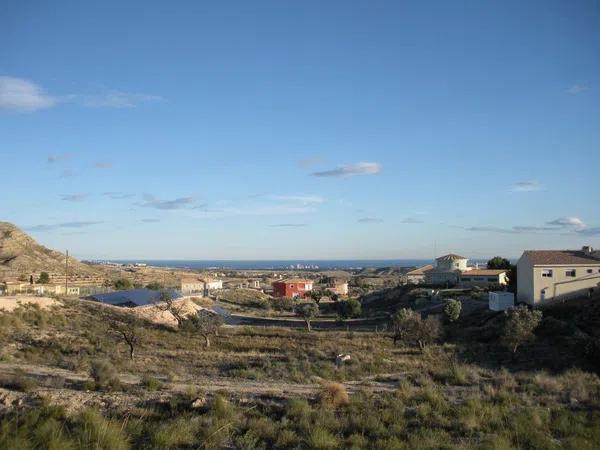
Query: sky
{"points": [[301, 129]]}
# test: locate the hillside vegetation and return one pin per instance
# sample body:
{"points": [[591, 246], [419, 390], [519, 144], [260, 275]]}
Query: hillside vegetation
{"points": [[68, 382]]}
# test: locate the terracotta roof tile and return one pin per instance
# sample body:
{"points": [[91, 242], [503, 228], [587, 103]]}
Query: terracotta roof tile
{"points": [[548, 257]]}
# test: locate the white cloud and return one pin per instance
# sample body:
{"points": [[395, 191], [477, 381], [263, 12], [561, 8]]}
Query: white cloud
{"points": [[57, 157], [289, 225], [117, 99], [304, 199], [117, 195], [361, 168], [411, 220], [74, 197], [568, 222], [527, 186], [370, 220], [50, 227], [578, 89], [178, 203], [17, 94]]}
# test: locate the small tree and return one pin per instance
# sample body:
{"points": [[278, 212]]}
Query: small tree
{"points": [[410, 329], [307, 311], [452, 310], [497, 262], [204, 322], [166, 302], [350, 308], [154, 286], [122, 284], [316, 296], [127, 327], [519, 326], [44, 278]]}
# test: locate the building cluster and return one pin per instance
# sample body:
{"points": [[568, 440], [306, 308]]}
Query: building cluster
{"points": [[300, 287], [454, 270], [198, 286]]}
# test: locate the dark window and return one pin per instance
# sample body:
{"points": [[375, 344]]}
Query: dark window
{"points": [[590, 271], [466, 279], [547, 273], [492, 280], [570, 273]]}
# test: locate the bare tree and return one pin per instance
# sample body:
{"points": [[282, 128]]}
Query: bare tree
{"points": [[205, 322], [307, 311], [167, 302], [127, 328]]}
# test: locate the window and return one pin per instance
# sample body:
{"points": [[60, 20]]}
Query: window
{"points": [[492, 280], [590, 271], [547, 273], [466, 279], [570, 273]]}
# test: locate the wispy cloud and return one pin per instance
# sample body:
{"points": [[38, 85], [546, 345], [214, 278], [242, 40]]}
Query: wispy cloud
{"points": [[370, 220], [117, 195], [411, 220], [59, 157], [562, 224], [304, 199], [594, 231], [17, 94], [118, 99], [151, 201], [57, 226], [578, 89], [568, 222], [361, 168], [78, 197], [150, 220], [526, 186], [289, 225], [21, 95], [102, 165], [68, 173]]}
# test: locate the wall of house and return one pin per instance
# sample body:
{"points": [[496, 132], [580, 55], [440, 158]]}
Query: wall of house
{"points": [[562, 286], [525, 281]]}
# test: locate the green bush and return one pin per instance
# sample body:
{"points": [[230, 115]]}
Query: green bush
{"points": [[104, 374]]}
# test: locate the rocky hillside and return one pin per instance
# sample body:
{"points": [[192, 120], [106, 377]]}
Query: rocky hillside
{"points": [[21, 255]]}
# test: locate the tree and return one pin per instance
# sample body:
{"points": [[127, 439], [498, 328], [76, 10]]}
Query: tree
{"points": [[204, 322], [122, 284], [316, 296], [519, 326], [154, 286], [350, 308], [127, 327], [497, 262], [452, 310], [307, 311], [166, 302], [410, 329], [44, 278]]}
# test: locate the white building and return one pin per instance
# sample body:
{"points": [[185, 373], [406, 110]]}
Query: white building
{"points": [[484, 277], [447, 270], [501, 301], [191, 285], [417, 276], [543, 275]]}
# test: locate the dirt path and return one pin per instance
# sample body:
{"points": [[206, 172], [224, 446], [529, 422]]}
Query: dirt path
{"points": [[70, 391]]}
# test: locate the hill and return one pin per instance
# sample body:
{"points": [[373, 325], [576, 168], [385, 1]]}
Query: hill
{"points": [[20, 255]]}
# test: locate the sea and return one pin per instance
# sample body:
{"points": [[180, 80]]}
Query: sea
{"points": [[275, 264]]}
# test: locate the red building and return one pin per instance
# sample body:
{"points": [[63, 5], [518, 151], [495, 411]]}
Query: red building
{"points": [[292, 288]]}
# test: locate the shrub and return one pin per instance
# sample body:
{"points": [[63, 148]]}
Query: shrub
{"points": [[104, 375], [151, 383], [17, 382], [333, 395], [97, 432], [519, 326], [452, 310], [321, 439], [410, 329]]}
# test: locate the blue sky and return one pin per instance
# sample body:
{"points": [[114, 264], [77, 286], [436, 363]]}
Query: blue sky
{"points": [[308, 129]]}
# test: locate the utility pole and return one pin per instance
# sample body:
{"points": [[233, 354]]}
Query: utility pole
{"points": [[67, 273]]}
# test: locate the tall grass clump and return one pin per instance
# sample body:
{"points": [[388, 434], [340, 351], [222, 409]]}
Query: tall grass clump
{"points": [[333, 395]]}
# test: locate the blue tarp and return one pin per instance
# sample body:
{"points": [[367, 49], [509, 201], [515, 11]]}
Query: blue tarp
{"points": [[132, 297]]}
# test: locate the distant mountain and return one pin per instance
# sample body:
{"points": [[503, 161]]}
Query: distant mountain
{"points": [[21, 255]]}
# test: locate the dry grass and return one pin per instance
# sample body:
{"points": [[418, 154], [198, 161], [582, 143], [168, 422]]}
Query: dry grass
{"points": [[333, 395]]}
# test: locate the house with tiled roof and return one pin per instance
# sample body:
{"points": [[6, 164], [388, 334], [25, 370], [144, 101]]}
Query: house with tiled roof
{"points": [[544, 275], [484, 277], [447, 270], [417, 276]]}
